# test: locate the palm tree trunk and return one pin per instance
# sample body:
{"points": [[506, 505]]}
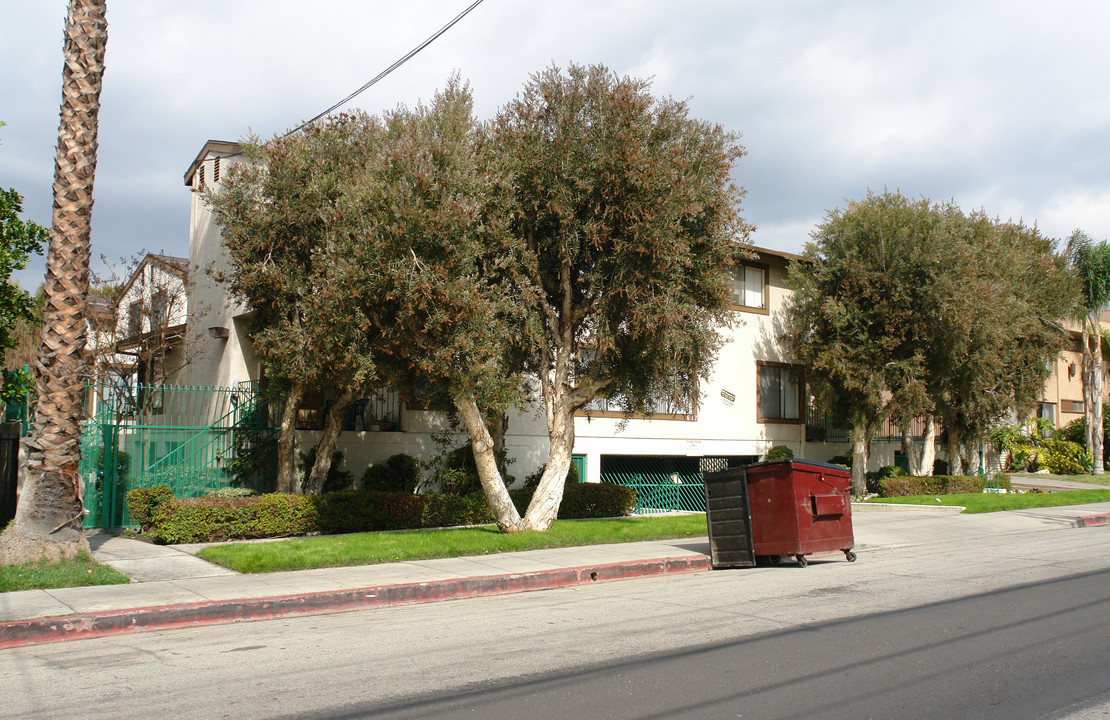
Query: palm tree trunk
{"points": [[1092, 387], [51, 511]]}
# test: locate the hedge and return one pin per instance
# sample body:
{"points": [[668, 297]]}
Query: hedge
{"points": [[216, 519], [936, 485]]}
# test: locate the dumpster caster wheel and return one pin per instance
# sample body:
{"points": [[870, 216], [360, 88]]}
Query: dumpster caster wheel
{"points": [[849, 556], [802, 561], [774, 559]]}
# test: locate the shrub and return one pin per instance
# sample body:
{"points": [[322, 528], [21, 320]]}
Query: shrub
{"points": [[338, 479], [585, 500], [780, 452], [1064, 458], [903, 485], [889, 471], [141, 503], [533, 479], [458, 473], [215, 519], [367, 511], [400, 473], [843, 460]]}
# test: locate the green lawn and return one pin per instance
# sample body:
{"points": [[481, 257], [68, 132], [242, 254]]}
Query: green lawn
{"points": [[994, 502], [384, 547], [67, 573]]}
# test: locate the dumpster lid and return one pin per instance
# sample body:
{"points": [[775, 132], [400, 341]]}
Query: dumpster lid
{"points": [[801, 463]]}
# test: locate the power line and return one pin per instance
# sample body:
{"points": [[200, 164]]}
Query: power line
{"points": [[377, 78]]}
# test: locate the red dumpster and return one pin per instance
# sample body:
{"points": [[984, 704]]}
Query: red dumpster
{"points": [[800, 507]]}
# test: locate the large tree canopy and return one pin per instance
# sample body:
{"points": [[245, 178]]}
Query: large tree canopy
{"points": [[628, 221], [582, 242], [282, 220], [912, 309]]}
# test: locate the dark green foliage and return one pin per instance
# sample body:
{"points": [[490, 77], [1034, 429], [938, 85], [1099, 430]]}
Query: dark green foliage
{"points": [[123, 463], [400, 473], [891, 471], [254, 463], [1076, 431], [586, 500], [216, 519], [141, 503], [18, 241], [780, 452], [458, 474], [940, 467], [337, 480], [533, 479], [453, 510], [845, 460], [351, 511], [937, 485]]}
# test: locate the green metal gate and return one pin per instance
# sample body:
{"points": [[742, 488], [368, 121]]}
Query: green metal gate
{"points": [[665, 483], [196, 440]]}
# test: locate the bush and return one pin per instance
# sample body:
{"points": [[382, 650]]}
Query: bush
{"points": [[780, 452], [400, 473], [337, 480], [216, 519], [367, 511], [1064, 458], [903, 485], [141, 503], [842, 460], [585, 500], [533, 479]]}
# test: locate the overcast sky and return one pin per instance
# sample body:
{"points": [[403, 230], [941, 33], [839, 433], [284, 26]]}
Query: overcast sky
{"points": [[999, 105]]}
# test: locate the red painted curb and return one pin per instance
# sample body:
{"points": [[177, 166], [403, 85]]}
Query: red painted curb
{"points": [[1093, 520], [115, 622]]}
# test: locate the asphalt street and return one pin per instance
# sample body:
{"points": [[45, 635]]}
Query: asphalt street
{"points": [[1010, 625]]}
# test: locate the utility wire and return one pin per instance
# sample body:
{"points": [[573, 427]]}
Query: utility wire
{"points": [[380, 76]]}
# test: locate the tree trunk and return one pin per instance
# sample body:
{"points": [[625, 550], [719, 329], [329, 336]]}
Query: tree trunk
{"points": [[928, 447], [861, 452], [287, 477], [325, 449], [544, 508], [955, 462], [912, 451], [1093, 397], [497, 495], [51, 510]]}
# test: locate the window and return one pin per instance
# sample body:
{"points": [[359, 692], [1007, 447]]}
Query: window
{"points": [[778, 395], [159, 311], [1047, 410], [749, 288], [216, 170], [661, 410], [135, 318], [1072, 406]]}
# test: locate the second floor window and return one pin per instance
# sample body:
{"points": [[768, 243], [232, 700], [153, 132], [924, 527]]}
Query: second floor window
{"points": [[749, 288]]}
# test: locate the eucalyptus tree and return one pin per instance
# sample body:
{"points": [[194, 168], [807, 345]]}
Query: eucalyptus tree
{"points": [[999, 328], [1090, 261], [281, 215], [908, 309], [628, 224], [51, 510], [860, 309]]}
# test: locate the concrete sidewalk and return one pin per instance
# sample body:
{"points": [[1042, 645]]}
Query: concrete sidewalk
{"points": [[171, 587]]}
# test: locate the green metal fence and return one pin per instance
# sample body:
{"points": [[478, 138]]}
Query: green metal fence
{"points": [[665, 483], [196, 440]]}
